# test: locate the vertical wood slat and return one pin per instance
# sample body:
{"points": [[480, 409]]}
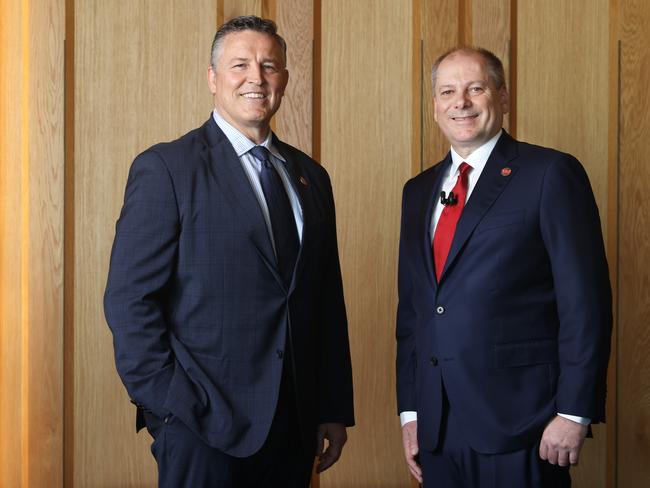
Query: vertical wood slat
{"points": [[294, 120], [633, 399], [492, 30], [45, 246], [613, 232], [31, 267], [440, 28], [11, 100], [365, 146], [68, 251], [562, 82]]}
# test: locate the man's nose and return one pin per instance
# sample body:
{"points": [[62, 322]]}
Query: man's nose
{"points": [[462, 100], [255, 73]]}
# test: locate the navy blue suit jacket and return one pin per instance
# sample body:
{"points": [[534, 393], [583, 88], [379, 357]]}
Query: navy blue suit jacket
{"points": [[519, 326], [197, 307]]}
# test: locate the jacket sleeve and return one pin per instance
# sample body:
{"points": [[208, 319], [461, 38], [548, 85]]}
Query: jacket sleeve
{"points": [[405, 329], [570, 228], [142, 261], [335, 368]]}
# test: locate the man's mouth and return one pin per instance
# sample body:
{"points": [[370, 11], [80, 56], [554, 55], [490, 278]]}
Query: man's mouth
{"points": [[253, 95], [464, 118]]}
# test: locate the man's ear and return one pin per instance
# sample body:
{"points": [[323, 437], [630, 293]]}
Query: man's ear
{"points": [[212, 82], [504, 99], [286, 80]]}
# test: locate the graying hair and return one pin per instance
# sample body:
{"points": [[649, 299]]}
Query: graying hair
{"points": [[244, 23], [494, 64]]}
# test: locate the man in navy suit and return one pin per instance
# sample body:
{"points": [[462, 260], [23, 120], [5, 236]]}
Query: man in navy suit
{"points": [[224, 293], [504, 317]]}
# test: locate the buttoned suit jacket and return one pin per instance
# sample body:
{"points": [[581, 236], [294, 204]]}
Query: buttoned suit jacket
{"points": [[197, 307], [518, 328]]}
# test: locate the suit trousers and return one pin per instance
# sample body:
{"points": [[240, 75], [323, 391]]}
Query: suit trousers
{"points": [[186, 461], [454, 464]]}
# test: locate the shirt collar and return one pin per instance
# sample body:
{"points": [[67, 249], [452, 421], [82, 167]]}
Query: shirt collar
{"points": [[240, 143], [477, 159]]}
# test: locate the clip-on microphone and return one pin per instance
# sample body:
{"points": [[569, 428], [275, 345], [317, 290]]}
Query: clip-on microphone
{"points": [[450, 200]]}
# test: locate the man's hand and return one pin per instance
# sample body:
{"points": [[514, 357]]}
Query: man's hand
{"points": [[336, 436], [561, 441], [411, 449]]}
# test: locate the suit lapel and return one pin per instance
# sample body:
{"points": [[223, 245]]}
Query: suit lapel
{"points": [[488, 188], [432, 189], [234, 184]]}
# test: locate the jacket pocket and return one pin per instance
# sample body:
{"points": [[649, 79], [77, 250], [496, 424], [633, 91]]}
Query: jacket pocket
{"points": [[501, 219], [528, 353]]}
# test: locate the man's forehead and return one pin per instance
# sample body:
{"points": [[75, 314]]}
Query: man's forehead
{"points": [[463, 61], [239, 44]]}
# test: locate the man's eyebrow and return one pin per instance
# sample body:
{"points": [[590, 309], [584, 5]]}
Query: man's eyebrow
{"points": [[235, 60]]}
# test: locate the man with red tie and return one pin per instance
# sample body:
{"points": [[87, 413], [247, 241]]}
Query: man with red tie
{"points": [[504, 317]]}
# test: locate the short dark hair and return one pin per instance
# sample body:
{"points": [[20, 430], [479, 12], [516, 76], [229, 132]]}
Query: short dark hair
{"points": [[494, 64], [244, 23]]}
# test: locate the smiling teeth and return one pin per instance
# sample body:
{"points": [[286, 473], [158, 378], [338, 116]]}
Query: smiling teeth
{"points": [[253, 95]]}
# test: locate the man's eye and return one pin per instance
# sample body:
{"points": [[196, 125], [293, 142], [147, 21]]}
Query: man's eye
{"points": [[270, 67], [476, 89], [446, 92]]}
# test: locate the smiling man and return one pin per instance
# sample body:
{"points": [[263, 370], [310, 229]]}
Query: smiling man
{"points": [[224, 293], [504, 317]]}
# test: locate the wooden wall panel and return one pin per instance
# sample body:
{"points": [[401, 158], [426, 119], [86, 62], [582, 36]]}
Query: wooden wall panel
{"points": [[491, 30], [633, 416], [11, 168], [140, 78], [365, 137], [294, 120], [439, 31], [45, 244], [31, 249], [562, 86], [234, 8]]}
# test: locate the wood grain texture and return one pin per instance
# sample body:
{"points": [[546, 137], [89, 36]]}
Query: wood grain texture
{"points": [[140, 78], [491, 30], [612, 238], [563, 85], [235, 8], [293, 122], [439, 31], [11, 164], [31, 236], [366, 135], [68, 252], [45, 298], [633, 415]]}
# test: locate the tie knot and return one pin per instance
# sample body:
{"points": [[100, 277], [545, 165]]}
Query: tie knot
{"points": [[464, 168], [260, 152]]}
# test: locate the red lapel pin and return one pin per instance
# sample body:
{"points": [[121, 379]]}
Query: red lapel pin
{"points": [[506, 171]]}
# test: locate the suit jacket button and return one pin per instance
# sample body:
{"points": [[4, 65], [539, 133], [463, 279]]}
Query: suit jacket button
{"points": [[440, 310], [280, 353], [434, 360]]}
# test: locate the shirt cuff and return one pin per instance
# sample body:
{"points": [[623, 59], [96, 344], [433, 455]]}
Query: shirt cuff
{"points": [[575, 418], [406, 417]]}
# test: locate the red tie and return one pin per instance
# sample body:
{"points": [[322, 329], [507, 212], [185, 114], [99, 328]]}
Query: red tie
{"points": [[444, 233]]}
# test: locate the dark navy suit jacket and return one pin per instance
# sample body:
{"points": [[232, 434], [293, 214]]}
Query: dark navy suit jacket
{"points": [[519, 326], [197, 307]]}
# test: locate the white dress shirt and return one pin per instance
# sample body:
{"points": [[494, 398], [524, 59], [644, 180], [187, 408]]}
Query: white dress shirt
{"points": [[477, 161], [253, 166]]}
